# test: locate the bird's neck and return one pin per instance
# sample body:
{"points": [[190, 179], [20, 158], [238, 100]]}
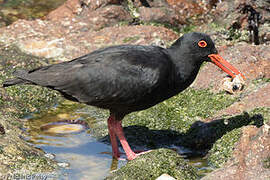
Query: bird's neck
{"points": [[187, 67]]}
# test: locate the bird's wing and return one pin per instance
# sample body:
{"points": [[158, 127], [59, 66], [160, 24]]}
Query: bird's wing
{"points": [[110, 76]]}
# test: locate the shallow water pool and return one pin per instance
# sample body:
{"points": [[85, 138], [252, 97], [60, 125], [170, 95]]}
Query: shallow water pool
{"points": [[85, 156], [77, 147]]}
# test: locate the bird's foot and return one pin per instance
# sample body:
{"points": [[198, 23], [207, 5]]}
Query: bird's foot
{"points": [[117, 155], [133, 155]]}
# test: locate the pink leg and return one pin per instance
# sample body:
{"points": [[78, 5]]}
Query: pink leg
{"points": [[111, 122], [116, 129], [120, 134]]}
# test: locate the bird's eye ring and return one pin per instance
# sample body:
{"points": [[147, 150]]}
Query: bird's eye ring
{"points": [[202, 44]]}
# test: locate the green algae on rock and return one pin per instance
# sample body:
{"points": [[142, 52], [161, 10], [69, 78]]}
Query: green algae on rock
{"points": [[266, 163], [17, 156], [264, 112], [223, 147], [180, 112], [22, 99], [153, 164], [12, 10]]}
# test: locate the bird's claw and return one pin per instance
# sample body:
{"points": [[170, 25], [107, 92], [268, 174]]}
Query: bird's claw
{"points": [[135, 155]]}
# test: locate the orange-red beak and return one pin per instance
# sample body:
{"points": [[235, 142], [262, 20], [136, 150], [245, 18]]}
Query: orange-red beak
{"points": [[225, 65]]}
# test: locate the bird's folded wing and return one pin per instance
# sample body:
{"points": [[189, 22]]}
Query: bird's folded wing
{"points": [[112, 78]]}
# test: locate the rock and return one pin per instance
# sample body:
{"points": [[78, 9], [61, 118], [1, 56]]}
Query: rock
{"points": [[165, 177], [16, 154], [258, 98], [203, 134], [81, 26], [97, 14], [160, 15], [42, 48], [105, 16], [160, 12], [106, 13], [153, 164], [97, 4], [69, 39], [49, 155], [186, 9], [69, 9], [174, 12], [248, 158], [63, 164], [235, 15]]}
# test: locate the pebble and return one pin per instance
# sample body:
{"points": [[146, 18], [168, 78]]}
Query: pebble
{"points": [[165, 177], [63, 164], [49, 155]]}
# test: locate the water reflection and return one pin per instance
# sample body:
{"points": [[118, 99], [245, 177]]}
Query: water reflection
{"points": [[88, 158]]}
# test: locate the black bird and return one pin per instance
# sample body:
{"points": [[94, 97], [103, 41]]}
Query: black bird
{"points": [[127, 78]]}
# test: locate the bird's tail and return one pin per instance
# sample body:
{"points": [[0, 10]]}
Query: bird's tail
{"points": [[18, 80]]}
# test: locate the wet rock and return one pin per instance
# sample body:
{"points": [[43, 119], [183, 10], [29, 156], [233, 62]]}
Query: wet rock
{"points": [[247, 161], [49, 155], [153, 164], [232, 15], [63, 164]]}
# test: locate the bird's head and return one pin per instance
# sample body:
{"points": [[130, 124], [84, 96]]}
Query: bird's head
{"points": [[201, 47]]}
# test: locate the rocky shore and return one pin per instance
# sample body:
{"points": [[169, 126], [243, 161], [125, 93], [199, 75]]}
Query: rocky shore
{"points": [[231, 131]]}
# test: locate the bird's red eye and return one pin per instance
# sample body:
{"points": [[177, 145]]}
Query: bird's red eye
{"points": [[202, 43]]}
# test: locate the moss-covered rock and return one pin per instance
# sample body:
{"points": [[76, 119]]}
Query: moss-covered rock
{"points": [[261, 112], [202, 135], [16, 155], [153, 164], [22, 99], [223, 148], [180, 112], [266, 163], [170, 122]]}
